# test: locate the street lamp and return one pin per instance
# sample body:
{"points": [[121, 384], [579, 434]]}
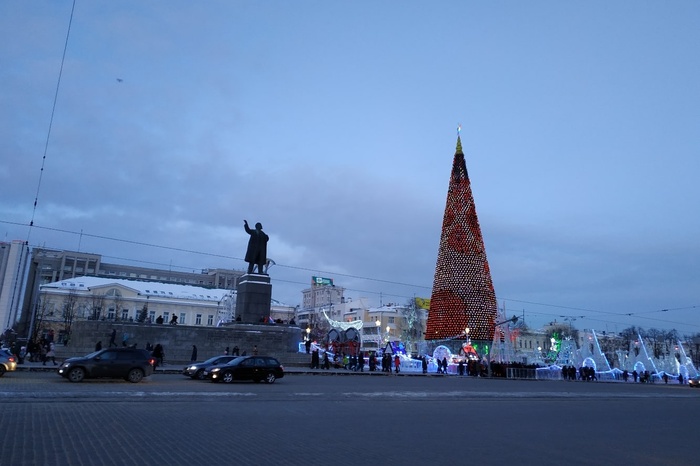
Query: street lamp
{"points": [[308, 333], [379, 333]]}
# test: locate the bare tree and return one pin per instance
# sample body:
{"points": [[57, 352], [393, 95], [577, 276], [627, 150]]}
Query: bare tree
{"points": [[413, 329], [70, 306], [656, 338], [629, 335], [118, 303], [44, 309], [97, 304]]}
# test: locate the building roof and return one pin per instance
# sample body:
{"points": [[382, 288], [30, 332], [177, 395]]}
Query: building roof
{"points": [[163, 290]]}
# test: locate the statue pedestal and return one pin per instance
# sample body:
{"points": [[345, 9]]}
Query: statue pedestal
{"points": [[253, 296]]}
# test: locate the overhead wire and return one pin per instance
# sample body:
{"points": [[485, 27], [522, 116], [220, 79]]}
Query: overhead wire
{"points": [[48, 133], [371, 279]]}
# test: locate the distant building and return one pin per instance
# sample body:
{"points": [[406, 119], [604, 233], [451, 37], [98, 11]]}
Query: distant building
{"points": [[281, 313], [112, 299], [53, 265], [322, 296], [13, 268]]}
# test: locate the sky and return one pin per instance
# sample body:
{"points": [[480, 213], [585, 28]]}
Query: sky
{"points": [[334, 124]]}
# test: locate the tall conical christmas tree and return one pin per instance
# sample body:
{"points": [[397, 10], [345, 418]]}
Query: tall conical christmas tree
{"points": [[463, 295]]}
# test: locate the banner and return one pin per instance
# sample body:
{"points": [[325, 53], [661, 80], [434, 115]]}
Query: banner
{"points": [[320, 281], [423, 303]]}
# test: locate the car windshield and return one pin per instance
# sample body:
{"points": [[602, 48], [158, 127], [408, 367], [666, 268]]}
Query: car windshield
{"points": [[93, 354], [210, 360]]}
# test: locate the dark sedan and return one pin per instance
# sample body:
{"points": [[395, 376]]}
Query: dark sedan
{"points": [[255, 368], [196, 370]]}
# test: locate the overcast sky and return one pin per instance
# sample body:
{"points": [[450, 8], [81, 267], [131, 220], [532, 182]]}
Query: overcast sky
{"points": [[334, 125]]}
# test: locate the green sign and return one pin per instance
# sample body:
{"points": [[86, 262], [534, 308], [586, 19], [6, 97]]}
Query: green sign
{"points": [[320, 281]]}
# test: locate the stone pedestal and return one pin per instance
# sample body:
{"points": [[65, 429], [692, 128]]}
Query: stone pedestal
{"points": [[253, 296]]}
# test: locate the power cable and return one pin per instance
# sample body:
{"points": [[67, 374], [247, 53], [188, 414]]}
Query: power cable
{"points": [[53, 112]]}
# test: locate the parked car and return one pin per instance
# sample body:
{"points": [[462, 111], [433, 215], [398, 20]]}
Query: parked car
{"points": [[196, 370], [694, 381], [129, 363], [8, 362], [255, 368]]}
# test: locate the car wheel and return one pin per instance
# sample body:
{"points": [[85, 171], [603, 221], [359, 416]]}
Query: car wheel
{"points": [[135, 376], [2, 371], [227, 377], [199, 375], [77, 374], [270, 378]]}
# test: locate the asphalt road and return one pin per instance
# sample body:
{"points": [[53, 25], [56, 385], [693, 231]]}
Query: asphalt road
{"points": [[344, 420]]}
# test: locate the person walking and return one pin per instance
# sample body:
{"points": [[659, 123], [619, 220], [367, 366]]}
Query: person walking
{"points": [[51, 354], [43, 351], [193, 358], [98, 345], [158, 354], [397, 363], [112, 337]]}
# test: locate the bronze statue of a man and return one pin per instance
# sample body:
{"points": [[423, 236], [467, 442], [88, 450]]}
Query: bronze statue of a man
{"points": [[257, 247]]}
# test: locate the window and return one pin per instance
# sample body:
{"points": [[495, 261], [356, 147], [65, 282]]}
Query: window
{"points": [[166, 317], [125, 314], [127, 355], [210, 319], [152, 316], [108, 356], [182, 318], [391, 320], [198, 319], [110, 313]]}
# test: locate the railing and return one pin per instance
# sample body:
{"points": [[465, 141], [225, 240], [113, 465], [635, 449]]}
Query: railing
{"points": [[520, 373]]}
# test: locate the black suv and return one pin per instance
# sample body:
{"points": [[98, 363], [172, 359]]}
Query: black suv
{"points": [[129, 363]]}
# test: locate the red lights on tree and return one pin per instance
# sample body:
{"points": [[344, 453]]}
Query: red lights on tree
{"points": [[463, 295]]}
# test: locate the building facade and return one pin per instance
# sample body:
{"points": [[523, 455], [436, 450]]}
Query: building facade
{"points": [[13, 269], [323, 295], [53, 265], [62, 303]]}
